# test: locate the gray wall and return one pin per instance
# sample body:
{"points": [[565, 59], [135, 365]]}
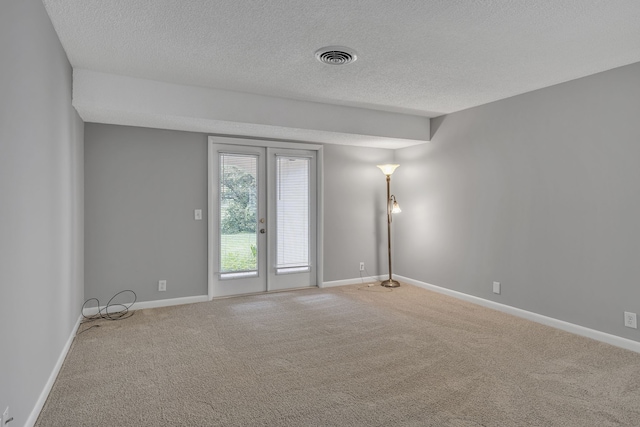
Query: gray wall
{"points": [[540, 192], [354, 211], [141, 189], [41, 214]]}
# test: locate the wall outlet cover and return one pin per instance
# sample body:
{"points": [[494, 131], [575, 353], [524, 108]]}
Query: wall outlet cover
{"points": [[496, 287], [162, 285], [630, 320]]}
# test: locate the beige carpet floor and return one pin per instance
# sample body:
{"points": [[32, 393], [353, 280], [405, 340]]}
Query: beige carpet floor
{"points": [[348, 356]]}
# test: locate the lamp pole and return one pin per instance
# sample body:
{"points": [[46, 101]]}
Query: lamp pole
{"points": [[388, 170]]}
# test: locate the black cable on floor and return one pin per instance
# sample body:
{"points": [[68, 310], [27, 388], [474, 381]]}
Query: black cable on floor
{"points": [[108, 312]]}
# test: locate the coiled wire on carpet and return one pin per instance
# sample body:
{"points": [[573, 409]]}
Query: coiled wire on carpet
{"points": [[370, 287], [105, 313]]}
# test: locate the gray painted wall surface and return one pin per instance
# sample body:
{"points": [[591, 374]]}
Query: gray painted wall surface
{"points": [[141, 189], [355, 211], [540, 192], [41, 254]]}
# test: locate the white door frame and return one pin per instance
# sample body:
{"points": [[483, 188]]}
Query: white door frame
{"points": [[267, 144], [248, 282], [283, 281]]}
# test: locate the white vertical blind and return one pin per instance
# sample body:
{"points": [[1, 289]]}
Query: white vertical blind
{"points": [[292, 210]]}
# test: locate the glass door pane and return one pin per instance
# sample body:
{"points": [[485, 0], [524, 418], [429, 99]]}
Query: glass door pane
{"points": [[263, 207], [292, 211], [238, 220], [238, 215], [292, 218]]}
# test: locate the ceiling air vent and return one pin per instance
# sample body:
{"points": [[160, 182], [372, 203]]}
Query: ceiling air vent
{"points": [[336, 55]]}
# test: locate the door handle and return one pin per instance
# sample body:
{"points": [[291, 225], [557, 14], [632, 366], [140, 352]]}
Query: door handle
{"points": [[262, 231]]}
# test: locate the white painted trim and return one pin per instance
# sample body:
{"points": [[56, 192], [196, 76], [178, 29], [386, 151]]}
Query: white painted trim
{"points": [[90, 311], [280, 281], [35, 412], [210, 203], [320, 217], [535, 317], [354, 281], [265, 142]]}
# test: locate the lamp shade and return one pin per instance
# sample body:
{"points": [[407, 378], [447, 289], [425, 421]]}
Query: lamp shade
{"points": [[387, 169], [396, 208]]}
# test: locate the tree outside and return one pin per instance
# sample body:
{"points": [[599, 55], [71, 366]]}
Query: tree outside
{"points": [[238, 220]]}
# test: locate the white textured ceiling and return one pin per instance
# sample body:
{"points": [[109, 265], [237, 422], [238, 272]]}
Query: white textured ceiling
{"points": [[424, 57]]}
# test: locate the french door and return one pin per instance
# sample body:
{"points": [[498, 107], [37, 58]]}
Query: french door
{"points": [[263, 204]]}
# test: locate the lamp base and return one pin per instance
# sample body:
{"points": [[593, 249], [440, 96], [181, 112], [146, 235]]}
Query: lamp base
{"points": [[390, 283]]}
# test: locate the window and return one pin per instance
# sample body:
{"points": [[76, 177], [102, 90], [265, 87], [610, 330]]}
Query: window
{"points": [[292, 210]]}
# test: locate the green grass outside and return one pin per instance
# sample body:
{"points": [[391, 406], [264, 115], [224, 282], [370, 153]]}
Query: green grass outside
{"points": [[238, 252]]}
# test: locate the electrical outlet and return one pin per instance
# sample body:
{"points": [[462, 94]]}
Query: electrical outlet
{"points": [[362, 266], [496, 287], [197, 214], [630, 320], [162, 285]]}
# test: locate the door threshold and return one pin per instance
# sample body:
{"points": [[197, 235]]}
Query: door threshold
{"points": [[264, 292]]}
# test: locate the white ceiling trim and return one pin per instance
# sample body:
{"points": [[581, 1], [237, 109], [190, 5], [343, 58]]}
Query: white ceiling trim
{"points": [[114, 99]]}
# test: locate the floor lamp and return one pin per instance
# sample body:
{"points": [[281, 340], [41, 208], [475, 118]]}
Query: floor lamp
{"points": [[392, 207]]}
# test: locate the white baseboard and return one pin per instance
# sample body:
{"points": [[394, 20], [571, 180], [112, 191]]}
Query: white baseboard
{"points": [[535, 317], [35, 412], [90, 311], [549, 321], [354, 281]]}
